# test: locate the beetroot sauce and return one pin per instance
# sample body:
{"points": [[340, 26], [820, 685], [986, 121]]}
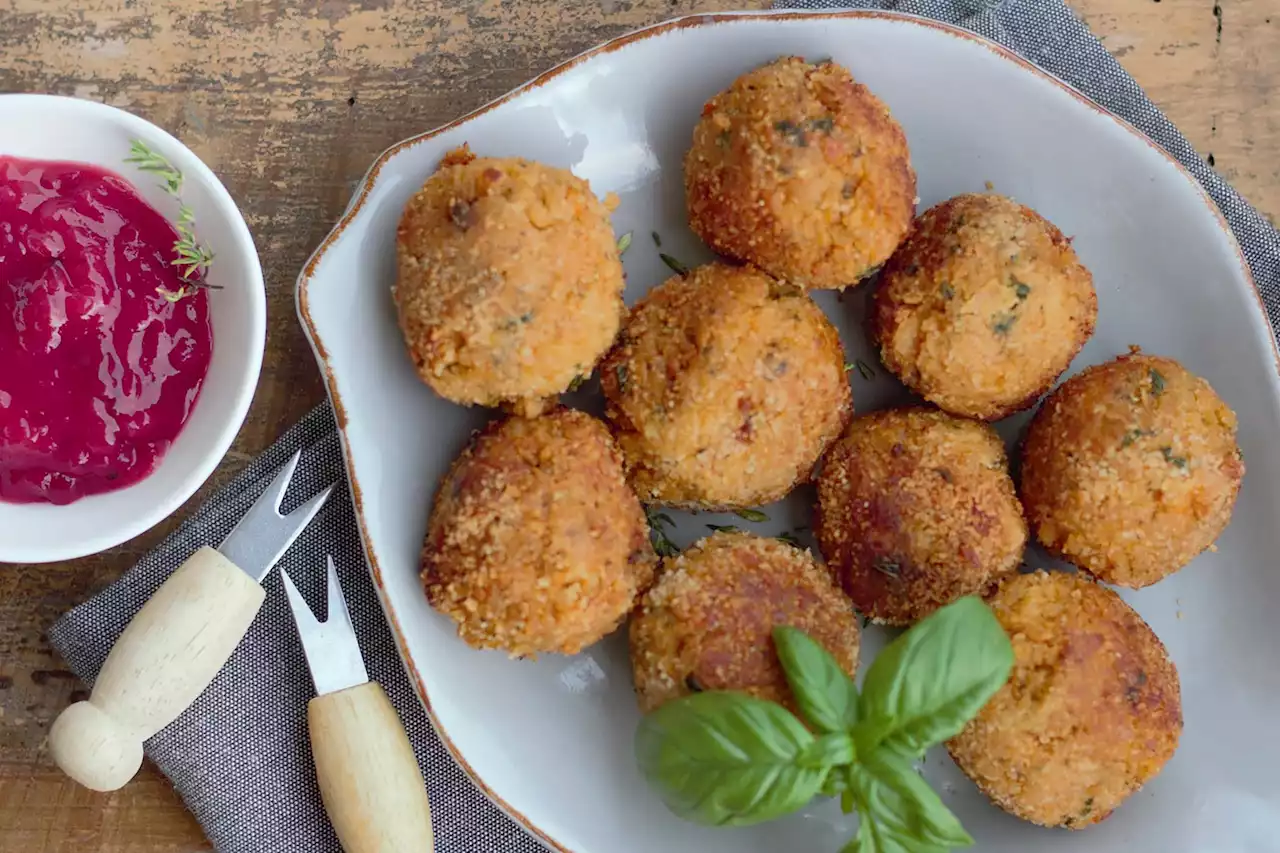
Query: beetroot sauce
{"points": [[98, 371]]}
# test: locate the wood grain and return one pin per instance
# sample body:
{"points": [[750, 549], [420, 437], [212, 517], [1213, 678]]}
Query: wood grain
{"points": [[289, 101], [167, 656], [369, 778]]}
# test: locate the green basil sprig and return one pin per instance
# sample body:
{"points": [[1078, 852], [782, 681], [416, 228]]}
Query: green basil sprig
{"points": [[825, 695], [900, 812], [727, 759], [924, 687]]}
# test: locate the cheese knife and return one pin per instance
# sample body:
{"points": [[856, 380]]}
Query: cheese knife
{"points": [[369, 779], [176, 644]]}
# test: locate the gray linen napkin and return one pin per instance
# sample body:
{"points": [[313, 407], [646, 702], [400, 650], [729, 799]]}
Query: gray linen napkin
{"points": [[239, 757]]}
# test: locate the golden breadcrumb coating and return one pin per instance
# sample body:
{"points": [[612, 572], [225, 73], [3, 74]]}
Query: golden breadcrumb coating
{"points": [[1131, 469], [707, 624], [915, 510], [1091, 712], [509, 283], [800, 170], [535, 542], [724, 389], [983, 307]]}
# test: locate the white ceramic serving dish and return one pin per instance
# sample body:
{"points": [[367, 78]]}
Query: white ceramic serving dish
{"points": [[56, 128], [551, 740]]}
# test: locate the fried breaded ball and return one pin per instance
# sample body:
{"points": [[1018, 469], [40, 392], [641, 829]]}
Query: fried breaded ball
{"points": [[983, 307], [1091, 712], [915, 510], [724, 389], [707, 624], [801, 171], [535, 542], [509, 281], [1131, 469]]}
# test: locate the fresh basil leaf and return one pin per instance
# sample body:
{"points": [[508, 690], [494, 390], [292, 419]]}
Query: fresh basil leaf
{"points": [[894, 796], [727, 759], [826, 696], [933, 679], [873, 838], [835, 783], [830, 750]]}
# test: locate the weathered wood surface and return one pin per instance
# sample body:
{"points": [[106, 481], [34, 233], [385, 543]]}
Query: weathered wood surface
{"points": [[289, 100]]}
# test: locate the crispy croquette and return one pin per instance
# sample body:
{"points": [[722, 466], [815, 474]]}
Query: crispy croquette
{"points": [[915, 510], [535, 542], [1091, 712], [983, 307], [1131, 469], [707, 624], [800, 170], [509, 282], [724, 389]]}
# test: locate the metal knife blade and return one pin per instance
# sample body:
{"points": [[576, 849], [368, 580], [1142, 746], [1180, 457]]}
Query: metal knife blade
{"points": [[262, 536], [175, 645], [333, 654]]}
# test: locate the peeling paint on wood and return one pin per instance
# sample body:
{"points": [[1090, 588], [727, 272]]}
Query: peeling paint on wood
{"points": [[1213, 68]]}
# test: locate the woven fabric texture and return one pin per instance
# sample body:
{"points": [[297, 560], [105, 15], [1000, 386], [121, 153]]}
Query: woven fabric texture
{"points": [[239, 756]]}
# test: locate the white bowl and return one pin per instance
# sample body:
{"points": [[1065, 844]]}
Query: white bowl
{"points": [[551, 740], [54, 128]]}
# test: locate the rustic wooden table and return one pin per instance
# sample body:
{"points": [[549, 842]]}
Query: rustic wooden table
{"points": [[289, 101]]}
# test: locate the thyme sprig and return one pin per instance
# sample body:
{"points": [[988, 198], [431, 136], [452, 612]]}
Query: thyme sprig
{"points": [[192, 258], [658, 521]]}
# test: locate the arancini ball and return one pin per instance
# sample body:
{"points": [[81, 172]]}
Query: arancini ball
{"points": [[535, 542], [724, 389], [1131, 469], [707, 624], [1091, 712], [801, 171], [509, 283], [915, 510], [983, 307]]}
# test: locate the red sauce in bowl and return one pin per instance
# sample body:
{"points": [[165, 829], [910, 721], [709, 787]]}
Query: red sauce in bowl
{"points": [[98, 371]]}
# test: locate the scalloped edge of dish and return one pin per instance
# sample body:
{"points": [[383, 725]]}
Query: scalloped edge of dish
{"points": [[371, 177]]}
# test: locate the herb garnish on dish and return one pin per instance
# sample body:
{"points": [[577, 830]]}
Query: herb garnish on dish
{"points": [[727, 759], [193, 258]]}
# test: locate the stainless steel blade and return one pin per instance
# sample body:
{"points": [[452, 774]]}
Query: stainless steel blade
{"points": [[333, 654], [263, 535]]}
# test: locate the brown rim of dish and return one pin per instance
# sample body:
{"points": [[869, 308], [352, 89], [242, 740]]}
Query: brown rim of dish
{"points": [[371, 177]]}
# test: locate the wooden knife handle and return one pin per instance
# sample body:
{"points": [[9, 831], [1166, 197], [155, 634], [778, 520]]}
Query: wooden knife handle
{"points": [[369, 778], [165, 658]]}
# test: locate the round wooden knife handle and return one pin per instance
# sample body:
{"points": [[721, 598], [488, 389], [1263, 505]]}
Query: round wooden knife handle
{"points": [[369, 778], [165, 658]]}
